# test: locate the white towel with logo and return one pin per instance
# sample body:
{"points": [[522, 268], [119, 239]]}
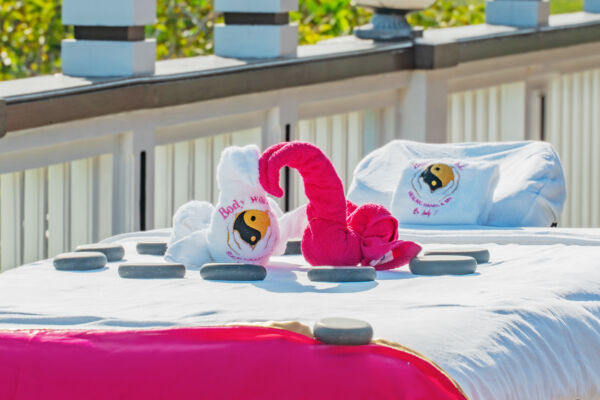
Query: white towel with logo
{"points": [[242, 228], [530, 190], [445, 192]]}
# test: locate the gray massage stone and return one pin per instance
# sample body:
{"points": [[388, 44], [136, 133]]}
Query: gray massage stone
{"points": [[80, 261], [152, 248], [113, 252], [343, 331], [151, 271], [293, 248], [233, 272], [443, 265], [342, 274], [480, 254]]}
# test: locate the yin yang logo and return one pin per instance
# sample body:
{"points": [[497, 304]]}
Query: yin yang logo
{"points": [[437, 176], [435, 182], [252, 225]]}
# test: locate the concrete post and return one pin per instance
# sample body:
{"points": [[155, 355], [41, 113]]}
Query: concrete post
{"points": [[518, 13], [591, 6], [256, 29], [109, 39]]}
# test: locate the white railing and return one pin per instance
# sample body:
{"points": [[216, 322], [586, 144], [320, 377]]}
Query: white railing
{"points": [[79, 181]]}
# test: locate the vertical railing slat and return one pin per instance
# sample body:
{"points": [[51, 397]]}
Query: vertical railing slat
{"points": [[468, 116], [586, 155], [512, 111], [339, 141], [566, 145], [34, 215], [81, 202], [182, 178], [595, 148], [11, 200], [355, 142], [59, 216], [203, 172], [163, 192], [104, 196], [481, 117], [220, 142]]}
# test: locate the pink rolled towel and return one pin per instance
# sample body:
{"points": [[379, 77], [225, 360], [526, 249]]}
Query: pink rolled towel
{"points": [[338, 233]]}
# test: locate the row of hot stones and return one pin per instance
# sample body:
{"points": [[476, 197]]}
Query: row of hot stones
{"points": [[449, 261]]}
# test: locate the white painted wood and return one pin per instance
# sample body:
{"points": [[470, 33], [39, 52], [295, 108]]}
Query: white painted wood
{"points": [[203, 169], [34, 215], [256, 6], [256, 41], [565, 151], [102, 58], [426, 96], [339, 144], [163, 184], [576, 148], [11, 219], [103, 196], [481, 115], [595, 148], [59, 209], [469, 117], [512, 111], [108, 12], [81, 202], [182, 174], [355, 143], [246, 137], [586, 181], [219, 144]]}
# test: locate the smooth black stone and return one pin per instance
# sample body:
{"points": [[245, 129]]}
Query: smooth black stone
{"points": [[342, 274], [151, 271], [443, 265], [293, 248], [233, 272], [80, 261], [343, 331], [480, 254], [152, 248], [113, 252]]}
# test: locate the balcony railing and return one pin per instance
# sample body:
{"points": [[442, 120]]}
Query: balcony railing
{"points": [[83, 159]]}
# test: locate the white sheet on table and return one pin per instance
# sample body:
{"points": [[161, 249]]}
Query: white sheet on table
{"points": [[527, 326]]}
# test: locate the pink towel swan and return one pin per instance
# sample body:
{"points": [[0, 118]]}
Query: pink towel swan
{"points": [[339, 233]]}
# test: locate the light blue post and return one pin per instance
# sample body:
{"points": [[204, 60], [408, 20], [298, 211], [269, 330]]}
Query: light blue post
{"points": [[517, 13]]}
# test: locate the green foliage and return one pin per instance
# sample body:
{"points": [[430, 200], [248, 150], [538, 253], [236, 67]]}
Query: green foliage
{"points": [[324, 19], [31, 30], [446, 13], [30, 35]]}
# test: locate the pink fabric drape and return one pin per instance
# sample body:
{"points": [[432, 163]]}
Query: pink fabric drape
{"points": [[208, 363]]}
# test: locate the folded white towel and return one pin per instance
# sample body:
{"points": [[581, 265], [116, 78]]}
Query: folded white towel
{"points": [[243, 226], [445, 191], [530, 191]]}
